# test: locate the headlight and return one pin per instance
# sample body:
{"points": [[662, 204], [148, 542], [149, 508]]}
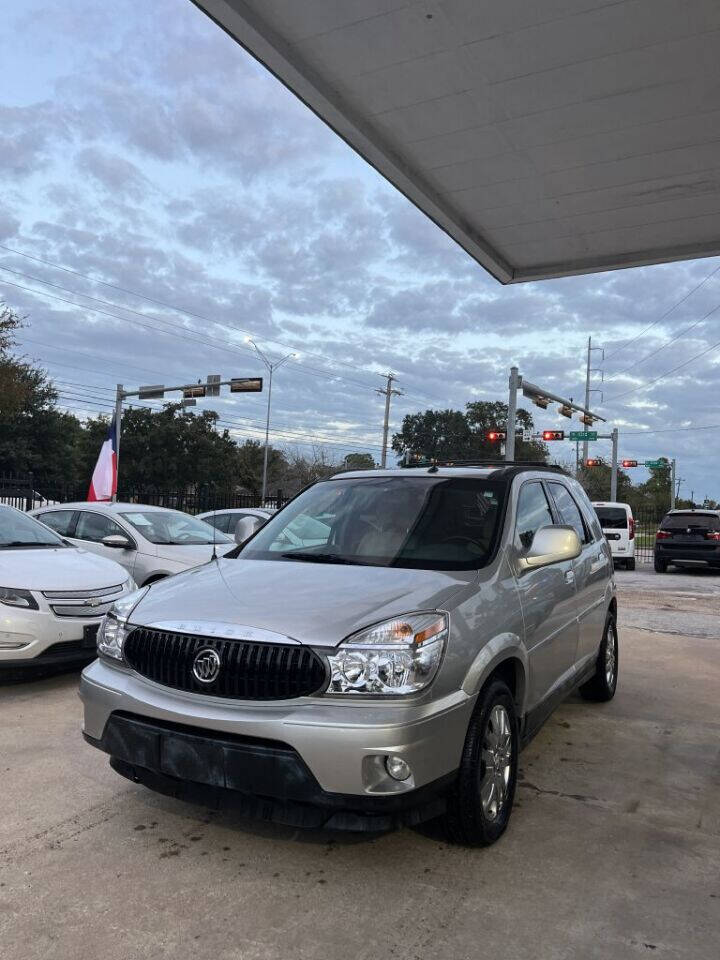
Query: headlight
{"points": [[395, 657], [113, 627], [129, 586], [13, 597]]}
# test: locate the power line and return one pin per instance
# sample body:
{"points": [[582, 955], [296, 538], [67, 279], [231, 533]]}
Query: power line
{"points": [[664, 315], [640, 433], [664, 345], [667, 373]]}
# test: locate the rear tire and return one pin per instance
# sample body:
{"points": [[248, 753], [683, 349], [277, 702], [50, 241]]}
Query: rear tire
{"points": [[631, 564], [481, 800], [603, 684], [660, 566]]}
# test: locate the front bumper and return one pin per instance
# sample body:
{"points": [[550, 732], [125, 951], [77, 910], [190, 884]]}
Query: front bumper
{"points": [[38, 638], [339, 746]]}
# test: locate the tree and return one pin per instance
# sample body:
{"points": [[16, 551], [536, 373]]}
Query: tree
{"points": [[250, 467], [359, 461], [596, 483], [486, 415], [435, 435], [35, 437]]}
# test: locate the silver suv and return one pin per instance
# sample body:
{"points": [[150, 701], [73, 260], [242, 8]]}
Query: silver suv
{"points": [[384, 664]]}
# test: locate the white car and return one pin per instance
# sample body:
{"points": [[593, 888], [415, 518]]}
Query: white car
{"points": [[150, 542], [618, 525], [227, 520], [52, 595]]}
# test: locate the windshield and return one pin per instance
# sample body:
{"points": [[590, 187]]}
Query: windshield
{"points": [[612, 518], [19, 530], [173, 527], [682, 521], [432, 523]]}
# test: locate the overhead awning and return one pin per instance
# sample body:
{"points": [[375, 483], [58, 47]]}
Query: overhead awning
{"points": [[548, 137]]}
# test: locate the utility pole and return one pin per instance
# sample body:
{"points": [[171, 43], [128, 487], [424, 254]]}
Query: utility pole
{"points": [[672, 484], [388, 393], [515, 382], [271, 365], [614, 468], [119, 396]]}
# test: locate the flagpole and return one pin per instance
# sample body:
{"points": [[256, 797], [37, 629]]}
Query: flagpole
{"points": [[118, 425]]}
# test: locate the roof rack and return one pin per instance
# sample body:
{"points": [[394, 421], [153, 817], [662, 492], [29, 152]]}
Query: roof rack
{"points": [[498, 462]]}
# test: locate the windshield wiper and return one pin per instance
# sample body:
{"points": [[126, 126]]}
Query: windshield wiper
{"points": [[27, 543], [320, 558]]}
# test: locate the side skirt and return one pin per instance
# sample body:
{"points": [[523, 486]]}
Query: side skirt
{"points": [[536, 717]]}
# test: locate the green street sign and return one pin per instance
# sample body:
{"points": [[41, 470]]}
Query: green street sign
{"points": [[583, 435], [655, 463]]}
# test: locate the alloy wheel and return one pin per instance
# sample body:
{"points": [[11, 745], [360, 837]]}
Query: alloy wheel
{"points": [[496, 762]]}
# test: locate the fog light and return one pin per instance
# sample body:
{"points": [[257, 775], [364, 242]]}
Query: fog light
{"points": [[397, 768]]}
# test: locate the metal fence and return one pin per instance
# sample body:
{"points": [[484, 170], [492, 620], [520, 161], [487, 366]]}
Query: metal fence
{"points": [[30, 492], [647, 521]]}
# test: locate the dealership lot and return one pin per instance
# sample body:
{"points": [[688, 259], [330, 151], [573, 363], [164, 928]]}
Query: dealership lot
{"points": [[612, 850]]}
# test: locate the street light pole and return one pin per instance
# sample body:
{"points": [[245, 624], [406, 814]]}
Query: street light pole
{"points": [[118, 428], [271, 365], [614, 468]]}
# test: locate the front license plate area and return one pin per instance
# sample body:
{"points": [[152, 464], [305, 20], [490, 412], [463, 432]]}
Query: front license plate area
{"points": [[89, 637]]}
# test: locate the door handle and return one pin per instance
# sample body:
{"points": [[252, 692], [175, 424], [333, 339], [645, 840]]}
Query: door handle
{"points": [[569, 577]]}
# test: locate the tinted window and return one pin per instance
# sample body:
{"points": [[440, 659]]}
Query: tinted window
{"points": [[533, 512], [432, 523], [59, 520], [569, 510], [95, 526], [221, 521], [681, 521], [612, 518]]}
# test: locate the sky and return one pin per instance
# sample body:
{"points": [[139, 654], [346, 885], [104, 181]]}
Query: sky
{"points": [[162, 197]]}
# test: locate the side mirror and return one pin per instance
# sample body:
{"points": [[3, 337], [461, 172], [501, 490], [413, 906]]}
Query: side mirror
{"points": [[117, 541], [551, 545], [246, 527]]}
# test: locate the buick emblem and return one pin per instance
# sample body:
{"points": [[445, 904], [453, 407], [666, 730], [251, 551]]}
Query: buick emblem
{"points": [[206, 665]]}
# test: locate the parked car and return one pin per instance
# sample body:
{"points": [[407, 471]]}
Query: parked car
{"points": [[388, 674], [53, 596], [150, 542], [688, 538], [618, 524], [227, 520]]}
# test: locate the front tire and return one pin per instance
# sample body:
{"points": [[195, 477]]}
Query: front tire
{"points": [[660, 566], [481, 801], [603, 684]]}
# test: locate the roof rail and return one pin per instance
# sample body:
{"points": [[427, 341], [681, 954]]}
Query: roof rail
{"points": [[486, 463]]}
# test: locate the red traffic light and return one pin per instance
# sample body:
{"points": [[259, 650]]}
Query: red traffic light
{"points": [[592, 463], [553, 435], [495, 436], [629, 463]]}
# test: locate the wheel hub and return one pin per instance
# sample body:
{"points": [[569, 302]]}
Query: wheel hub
{"points": [[496, 768]]}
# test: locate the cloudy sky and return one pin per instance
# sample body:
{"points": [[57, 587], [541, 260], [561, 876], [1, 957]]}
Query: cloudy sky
{"points": [[163, 197]]}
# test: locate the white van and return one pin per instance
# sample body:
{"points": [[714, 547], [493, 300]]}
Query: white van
{"points": [[616, 520]]}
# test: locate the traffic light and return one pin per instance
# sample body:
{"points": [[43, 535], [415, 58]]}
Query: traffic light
{"points": [[629, 463], [196, 390], [246, 385], [586, 419], [541, 402], [553, 435], [565, 411], [495, 436], [593, 462]]}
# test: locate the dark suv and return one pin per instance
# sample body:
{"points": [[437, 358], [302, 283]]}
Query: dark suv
{"points": [[688, 537]]}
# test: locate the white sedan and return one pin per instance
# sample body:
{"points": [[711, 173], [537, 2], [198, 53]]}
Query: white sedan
{"points": [[150, 542], [52, 595]]}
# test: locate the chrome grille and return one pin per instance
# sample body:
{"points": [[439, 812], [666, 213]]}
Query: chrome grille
{"points": [[248, 670], [83, 604]]}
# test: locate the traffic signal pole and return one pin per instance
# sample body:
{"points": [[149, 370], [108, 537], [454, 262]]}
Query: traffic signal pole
{"points": [[512, 414], [119, 396], [614, 468]]}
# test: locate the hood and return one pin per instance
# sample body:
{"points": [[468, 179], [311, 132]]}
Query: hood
{"points": [[313, 603], [191, 554], [58, 568]]}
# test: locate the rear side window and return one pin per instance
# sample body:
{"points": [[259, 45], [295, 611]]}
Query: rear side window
{"points": [[569, 510], [681, 521], [94, 526], [612, 518], [533, 512], [221, 521], [58, 520]]}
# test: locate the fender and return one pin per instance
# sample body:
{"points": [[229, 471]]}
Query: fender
{"points": [[503, 646]]}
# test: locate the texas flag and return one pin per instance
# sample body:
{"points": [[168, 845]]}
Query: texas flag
{"points": [[103, 485]]}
